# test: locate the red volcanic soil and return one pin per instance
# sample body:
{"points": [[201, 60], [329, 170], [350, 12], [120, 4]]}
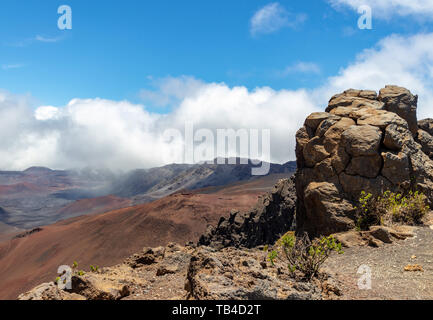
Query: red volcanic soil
{"points": [[8, 232], [109, 238], [95, 205]]}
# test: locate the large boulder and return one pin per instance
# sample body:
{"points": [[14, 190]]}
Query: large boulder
{"points": [[363, 142], [402, 102]]}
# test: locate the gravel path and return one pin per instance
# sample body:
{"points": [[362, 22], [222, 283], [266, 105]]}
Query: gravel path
{"points": [[388, 279]]}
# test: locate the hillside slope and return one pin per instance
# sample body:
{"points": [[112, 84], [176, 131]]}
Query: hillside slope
{"points": [[108, 238]]}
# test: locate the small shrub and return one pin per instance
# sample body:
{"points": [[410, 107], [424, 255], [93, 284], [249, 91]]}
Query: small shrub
{"points": [[390, 207], [408, 209], [272, 257], [94, 268], [368, 212], [74, 265], [306, 256], [81, 273]]}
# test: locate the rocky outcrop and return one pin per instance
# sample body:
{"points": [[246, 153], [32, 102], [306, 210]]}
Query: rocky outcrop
{"points": [[235, 274], [363, 142], [272, 217], [49, 291], [180, 273]]}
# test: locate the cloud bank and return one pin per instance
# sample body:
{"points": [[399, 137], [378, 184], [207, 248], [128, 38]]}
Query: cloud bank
{"points": [[121, 135]]}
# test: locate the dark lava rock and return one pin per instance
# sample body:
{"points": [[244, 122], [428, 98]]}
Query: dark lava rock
{"points": [[272, 217]]}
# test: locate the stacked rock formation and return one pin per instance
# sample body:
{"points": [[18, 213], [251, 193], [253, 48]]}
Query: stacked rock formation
{"points": [[363, 142]]}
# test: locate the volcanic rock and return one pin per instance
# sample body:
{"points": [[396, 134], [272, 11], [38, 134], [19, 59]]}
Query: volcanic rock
{"points": [[236, 274], [363, 142], [273, 216]]}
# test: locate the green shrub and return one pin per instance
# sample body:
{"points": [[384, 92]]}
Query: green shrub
{"points": [[369, 211], [94, 268], [390, 207], [272, 257], [408, 209], [306, 256]]}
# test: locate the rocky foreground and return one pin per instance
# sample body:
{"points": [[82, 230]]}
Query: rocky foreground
{"points": [[176, 272], [363, 142]]}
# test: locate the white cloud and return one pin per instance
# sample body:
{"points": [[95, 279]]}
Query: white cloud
{"points": [[303, 67], [122, 135], [272, 18], [388, 8], [45, 113], [30, 41], [46, 39], [170, 90], [399, 60], [12, 66]]}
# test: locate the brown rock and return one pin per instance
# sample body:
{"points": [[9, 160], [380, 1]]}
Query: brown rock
{"points": [[351, 239], [326, 212], [314, 152], [368, 167], [316, 118], [362, 140], [49, 291], [355, 99], [94, 287], [381, 233], [396, 137], [414, 268], [173, 263], [426, 141], [379, 118], [426, 125], [233, 274], [401, 101], [371, 148], [396, 168], [332, 137]]}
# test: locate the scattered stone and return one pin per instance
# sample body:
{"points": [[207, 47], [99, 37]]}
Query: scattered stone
{"points": [[414, 268], [381, 233], [376, 237]]}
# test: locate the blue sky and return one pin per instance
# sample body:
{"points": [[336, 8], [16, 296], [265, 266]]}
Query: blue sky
{"points": [[116, 47], [104, 93]]}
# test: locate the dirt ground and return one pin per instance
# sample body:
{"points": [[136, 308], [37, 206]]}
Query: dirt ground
{"points": [[389, 280]]}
